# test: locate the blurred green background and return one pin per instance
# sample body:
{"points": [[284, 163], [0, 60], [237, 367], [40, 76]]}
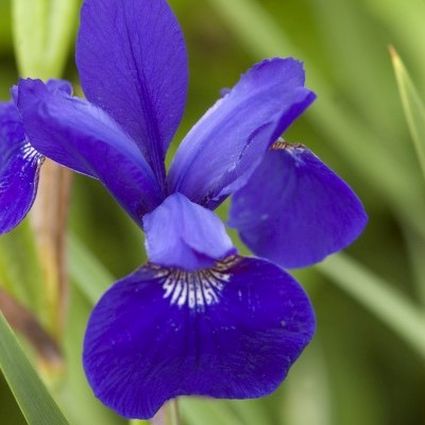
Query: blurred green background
{"points": [[366, 364]]}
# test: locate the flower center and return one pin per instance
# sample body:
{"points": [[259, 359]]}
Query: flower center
{"points": [[195, 289]]}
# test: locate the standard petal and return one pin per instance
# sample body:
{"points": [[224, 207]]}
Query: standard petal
{"points": [[19, 166], [231, 332], [182, 234], [220, 152], [133, 64], [295, 210], [80, 136]]}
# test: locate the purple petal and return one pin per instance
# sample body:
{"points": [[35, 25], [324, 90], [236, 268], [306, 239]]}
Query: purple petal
{"points": [[133, 64], [19, 161], [220, 152], [228, 332], [295, 210], [19, 166], [182, 234], [80, 136]]}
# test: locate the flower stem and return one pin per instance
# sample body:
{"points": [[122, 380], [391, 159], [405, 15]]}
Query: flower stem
{"points": [[167, 415], [49, 216]]}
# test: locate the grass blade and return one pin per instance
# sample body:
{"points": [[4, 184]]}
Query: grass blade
{"points": [[413, 106], [35, 402], [378, 297]]}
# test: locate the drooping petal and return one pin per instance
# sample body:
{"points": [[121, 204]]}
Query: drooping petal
{"points": [[80, 136], [19, 161], [182, 234], [230, 332], [133, 64], [295, 210], [19, 166], [220, 152]]}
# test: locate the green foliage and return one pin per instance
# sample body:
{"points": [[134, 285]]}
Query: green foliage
{"points": [[20, 272], [43, 32], [35, 402], [414, 108]]}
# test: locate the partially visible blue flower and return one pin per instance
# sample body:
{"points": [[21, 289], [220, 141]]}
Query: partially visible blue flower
{"points": [[198, 319], [19, 162]]}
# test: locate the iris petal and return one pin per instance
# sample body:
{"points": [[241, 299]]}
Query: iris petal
{"points": [[295, 210], [19, 161], [19, 166], [133, 64], [219, 153], [145, 344], [182, 234], [80, 136]]}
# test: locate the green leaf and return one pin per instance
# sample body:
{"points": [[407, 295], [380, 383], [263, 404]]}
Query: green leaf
{"points": [[36, 403], [74, 394], [20, 269], [414, 108], [43, 31], [92, 278], [377, 295]]}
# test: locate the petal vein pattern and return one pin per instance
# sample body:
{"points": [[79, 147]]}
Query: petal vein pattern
{"points": [[133, 64], [195, 289]]}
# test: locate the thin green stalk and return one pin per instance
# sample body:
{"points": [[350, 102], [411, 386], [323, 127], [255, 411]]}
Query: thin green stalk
{"points": [[414, 108], [377, 295]]}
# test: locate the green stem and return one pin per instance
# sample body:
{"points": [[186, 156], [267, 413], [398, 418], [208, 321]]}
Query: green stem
{"points": [[167, 415]]}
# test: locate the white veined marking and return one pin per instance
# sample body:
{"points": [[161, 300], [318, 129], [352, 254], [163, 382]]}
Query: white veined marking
{"points": [[195, 289], [28, 152]]}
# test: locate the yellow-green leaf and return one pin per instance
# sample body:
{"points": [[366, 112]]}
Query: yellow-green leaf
{"points": [[414, 108]]}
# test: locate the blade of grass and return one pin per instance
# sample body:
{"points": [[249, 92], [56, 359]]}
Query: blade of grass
{"points": [[20, 269], [414, 108], [35, 402], [374, 293]]}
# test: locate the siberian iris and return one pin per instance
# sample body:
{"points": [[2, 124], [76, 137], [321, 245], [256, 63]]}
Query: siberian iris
{"points": [[197, 319]]}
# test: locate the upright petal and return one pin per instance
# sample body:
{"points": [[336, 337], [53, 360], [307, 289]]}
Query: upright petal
{"points": [[229, 332], [80, 136], [182, 234], [295, 210], [221, 151], [19, 166], [133, 64]]}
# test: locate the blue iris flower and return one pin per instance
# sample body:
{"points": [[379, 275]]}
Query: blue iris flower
{"points": [[198, 319]]}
